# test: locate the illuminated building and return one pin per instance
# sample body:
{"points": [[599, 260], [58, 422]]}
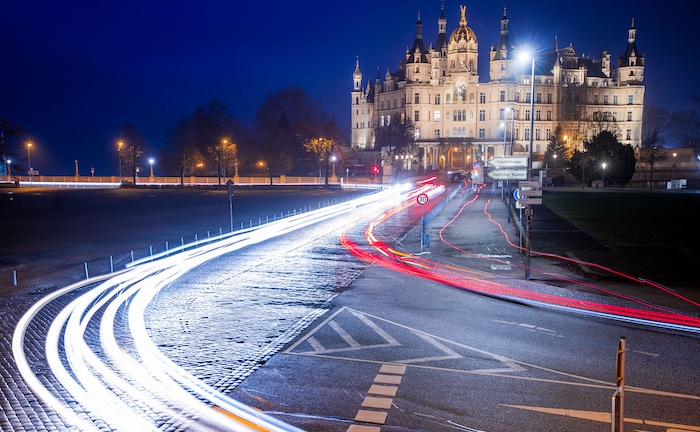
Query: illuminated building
{"points": [[457, 117]]}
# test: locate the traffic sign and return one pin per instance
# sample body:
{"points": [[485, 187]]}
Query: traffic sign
{"points": [[530, 201], [508, 174], [422, 199], [529, 185], [508, 162]]}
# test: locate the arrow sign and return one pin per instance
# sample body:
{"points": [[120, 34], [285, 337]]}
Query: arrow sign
{"points": [[508, 162], [508, 174]]}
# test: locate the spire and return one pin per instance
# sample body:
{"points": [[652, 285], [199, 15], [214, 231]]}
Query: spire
{"points": [[419, 28], [504, 22], [556, 44], [633, 33]]}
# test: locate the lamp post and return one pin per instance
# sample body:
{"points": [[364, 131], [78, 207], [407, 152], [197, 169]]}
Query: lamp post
{"points": [[76, 168], [218, 159], [532, 118], [150, 162], [333, 159], [120, 144], [29, 161], [8, 164], [503, 125], [673, 168], [554, 166], [604, 165]]}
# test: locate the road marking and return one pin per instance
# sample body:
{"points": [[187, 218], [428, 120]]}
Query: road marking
{"points": [[343, 334], [529, 327], [388, 374], [603, 417], [646, 353]]}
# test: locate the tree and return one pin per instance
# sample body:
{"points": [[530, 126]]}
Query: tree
{"points": [[685, 127], [328, 142], [556, 148], [604, 148], [282, 124], [396, 139], [214, 130], [134, 145], [180, 152], [9, 137], [656, 121]]}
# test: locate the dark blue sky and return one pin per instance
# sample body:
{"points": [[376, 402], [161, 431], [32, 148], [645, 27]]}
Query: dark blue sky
{"points": [[73, 72]]}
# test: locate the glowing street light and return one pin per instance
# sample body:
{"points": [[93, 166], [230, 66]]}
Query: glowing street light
{"points": [[151, 161], [604, 165], [29, 160], [120, 144], [8, 164], [333, 159]]}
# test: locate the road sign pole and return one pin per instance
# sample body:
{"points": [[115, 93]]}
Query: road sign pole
{"points": [[528, 223], [618, 399]]}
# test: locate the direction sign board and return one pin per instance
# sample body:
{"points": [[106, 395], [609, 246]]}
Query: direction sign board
{"points": [[508, 174], [508, 162], [526, 185], [530, 201]]}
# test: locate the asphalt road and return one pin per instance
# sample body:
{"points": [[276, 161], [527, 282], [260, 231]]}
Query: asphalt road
{"points": [[392, 351]]}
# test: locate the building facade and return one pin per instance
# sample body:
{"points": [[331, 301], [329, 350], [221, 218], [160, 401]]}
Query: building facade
{"points": [[459, 120]]}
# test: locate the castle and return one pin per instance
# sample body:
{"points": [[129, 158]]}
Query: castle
{"points": [[458, 120]]}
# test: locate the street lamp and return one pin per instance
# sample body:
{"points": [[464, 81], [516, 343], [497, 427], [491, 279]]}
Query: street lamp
{"points": [[76, 168], [120, 144], [530, 56], [673, 168], [333, 159], [604, 165], [8, 164], [150, 161], [29, 160], [503, 125]]}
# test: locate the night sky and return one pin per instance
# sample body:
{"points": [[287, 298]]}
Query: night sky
{"points": [[73, 72]]}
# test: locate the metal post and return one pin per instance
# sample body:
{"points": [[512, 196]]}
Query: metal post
{"points": [[87, 275], [618, 399], [532, 117], [528, 223]]}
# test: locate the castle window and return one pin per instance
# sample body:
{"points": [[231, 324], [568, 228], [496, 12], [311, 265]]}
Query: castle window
{"points": [[527, 115], [538, 98], [614, 99], [503, 96], [548, 134], [436, 133], [416, 115], [482, 133], [629, 134], [549, 98], [381, 121], [482, 115], [538, 115], [416, 98], [549, 115], [629, 116], [461, 92], [437, 99], [527, 97], [437, 115], [630, 99], [537, 135], [482, 97]]}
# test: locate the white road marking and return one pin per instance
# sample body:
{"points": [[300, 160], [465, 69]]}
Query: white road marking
{"points": [[343, 334]]}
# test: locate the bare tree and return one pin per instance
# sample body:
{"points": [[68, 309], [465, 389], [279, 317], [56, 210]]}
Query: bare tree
{"points": [[9, 137], [685, 127], [135, 146], [656, 124]]}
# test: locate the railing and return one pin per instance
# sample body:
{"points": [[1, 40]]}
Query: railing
{"points": [[115, 181]]}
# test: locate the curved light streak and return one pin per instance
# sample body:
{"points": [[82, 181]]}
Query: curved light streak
{"points": [[114, 382]]}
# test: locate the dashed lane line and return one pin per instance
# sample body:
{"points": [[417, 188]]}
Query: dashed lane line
{"points": [[379, 397]]}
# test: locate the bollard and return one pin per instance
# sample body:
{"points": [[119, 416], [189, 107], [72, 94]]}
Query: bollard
{"points": [[14, 277], [150, 250], [241, 225], [195, 239], [208, 236], [182, 241], [166, 245], [87, 275], [267, 219], [221, 232], [132, 255]]}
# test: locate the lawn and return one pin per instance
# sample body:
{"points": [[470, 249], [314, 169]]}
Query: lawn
{"points": [[633, 218]]}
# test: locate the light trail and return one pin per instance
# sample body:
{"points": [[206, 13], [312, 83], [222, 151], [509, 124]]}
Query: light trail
{"points": [[123, 379], [640, 312]]}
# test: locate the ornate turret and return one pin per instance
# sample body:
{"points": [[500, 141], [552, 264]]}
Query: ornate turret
{"points": [[630, 65]]}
